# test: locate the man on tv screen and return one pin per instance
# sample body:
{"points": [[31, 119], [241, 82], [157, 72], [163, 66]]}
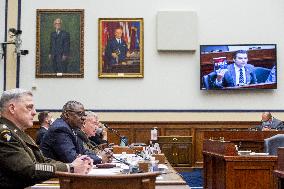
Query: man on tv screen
{"points": [[239, 73]]}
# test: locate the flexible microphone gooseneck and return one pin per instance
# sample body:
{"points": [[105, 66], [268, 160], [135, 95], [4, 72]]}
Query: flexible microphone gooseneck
{"points": [[93, 145], [138, 153], [100, 148], [115, 132]]}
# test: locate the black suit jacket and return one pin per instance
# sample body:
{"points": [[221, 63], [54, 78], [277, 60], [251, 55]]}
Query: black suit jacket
{"points": [[113, 47], [40, 133], [62, 143], [98, 139], [229, 79], [59, 44]]}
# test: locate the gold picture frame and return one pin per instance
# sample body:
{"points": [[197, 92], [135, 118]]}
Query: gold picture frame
{"points": [[59, 43], [121, 48]]}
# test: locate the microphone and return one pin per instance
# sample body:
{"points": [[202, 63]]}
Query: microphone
{"points": [[93, 145], [123, 138], [100, 148]]}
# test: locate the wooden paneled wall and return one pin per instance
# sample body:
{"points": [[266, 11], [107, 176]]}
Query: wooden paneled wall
{"points": [[140, 132]]}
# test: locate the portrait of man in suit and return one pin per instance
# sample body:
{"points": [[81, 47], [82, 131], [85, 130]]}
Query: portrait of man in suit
{"points": [[59, 47], [116, 50], [120, 47], [60, 43]]}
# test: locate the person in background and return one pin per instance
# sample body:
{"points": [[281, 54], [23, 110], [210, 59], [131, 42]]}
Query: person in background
{"points": [[59, 47], [45, 120], [272, 76], [100, 138], [61, 141], [269, 123], [22, 163], [238, 74]]}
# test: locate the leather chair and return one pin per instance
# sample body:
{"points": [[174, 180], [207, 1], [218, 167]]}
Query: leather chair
{"points": [[119, 181], [271, 144], [208, 80], [261, 74]]}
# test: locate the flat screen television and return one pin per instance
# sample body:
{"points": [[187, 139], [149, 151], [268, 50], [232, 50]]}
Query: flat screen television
{"points": [[242, 66]]}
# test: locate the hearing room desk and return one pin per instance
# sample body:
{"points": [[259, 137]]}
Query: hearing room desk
{"points": [[225, 169], [245, 140], [171, 180]]}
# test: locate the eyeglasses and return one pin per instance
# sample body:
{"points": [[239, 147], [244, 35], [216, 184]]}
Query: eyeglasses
{"points": [[79, 113]]}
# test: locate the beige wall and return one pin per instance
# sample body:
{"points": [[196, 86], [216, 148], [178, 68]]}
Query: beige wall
{"points": [[171, 79]]}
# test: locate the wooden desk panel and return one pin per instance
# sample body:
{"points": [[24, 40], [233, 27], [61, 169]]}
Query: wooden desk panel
{"points": [[224, 169], [246, 140]]}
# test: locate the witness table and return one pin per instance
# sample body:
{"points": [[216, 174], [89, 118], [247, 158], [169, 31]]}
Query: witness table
{"points": [[170, 180]]}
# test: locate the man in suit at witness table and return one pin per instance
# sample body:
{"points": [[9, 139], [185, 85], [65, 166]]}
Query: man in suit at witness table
{"points": [[270, 123], [22, 163], [61, 141]]}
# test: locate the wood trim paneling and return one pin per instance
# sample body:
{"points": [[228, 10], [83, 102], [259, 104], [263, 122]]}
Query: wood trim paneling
{"points": [[140, 132]]}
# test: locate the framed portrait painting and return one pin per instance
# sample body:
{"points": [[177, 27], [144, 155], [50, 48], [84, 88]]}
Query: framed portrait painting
{"points": [[60, 43], [121, 48]]}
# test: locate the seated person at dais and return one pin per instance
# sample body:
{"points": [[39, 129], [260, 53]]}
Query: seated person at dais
{"points": [[61, 141], [22, 163], [237, 74], [269, 123], [89, 128], [100, 138], [45, 120]]}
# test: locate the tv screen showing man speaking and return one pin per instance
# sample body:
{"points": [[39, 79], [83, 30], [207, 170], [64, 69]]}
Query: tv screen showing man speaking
{"points": [[243, 66]]}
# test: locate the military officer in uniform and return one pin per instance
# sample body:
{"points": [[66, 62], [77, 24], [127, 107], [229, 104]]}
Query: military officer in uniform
{"points": [[22, 163]]}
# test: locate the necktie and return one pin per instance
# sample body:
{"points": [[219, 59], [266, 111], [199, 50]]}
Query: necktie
{"points": [[241, 79], [119, 41]]}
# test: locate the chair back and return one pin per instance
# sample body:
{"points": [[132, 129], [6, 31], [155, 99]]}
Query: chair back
{"points": [[261, 74], [121, 181], [271, 144], [208, 80]]}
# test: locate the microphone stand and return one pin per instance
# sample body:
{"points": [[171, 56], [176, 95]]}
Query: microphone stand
{"points": [[123, 140], [115, 132], [100, 148], [93, 145]]}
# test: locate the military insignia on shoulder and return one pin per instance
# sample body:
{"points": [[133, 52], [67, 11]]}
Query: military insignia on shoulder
{"points": [[5, 135]]}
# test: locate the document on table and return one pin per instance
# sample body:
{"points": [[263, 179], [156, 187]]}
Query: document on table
{"points": [[110, 171]]}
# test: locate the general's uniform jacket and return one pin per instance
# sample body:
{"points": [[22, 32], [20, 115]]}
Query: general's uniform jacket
{"points": [[21, 161]]}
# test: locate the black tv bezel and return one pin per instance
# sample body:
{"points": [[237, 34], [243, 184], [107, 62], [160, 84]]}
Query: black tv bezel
{"points": [[255, 44]]}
